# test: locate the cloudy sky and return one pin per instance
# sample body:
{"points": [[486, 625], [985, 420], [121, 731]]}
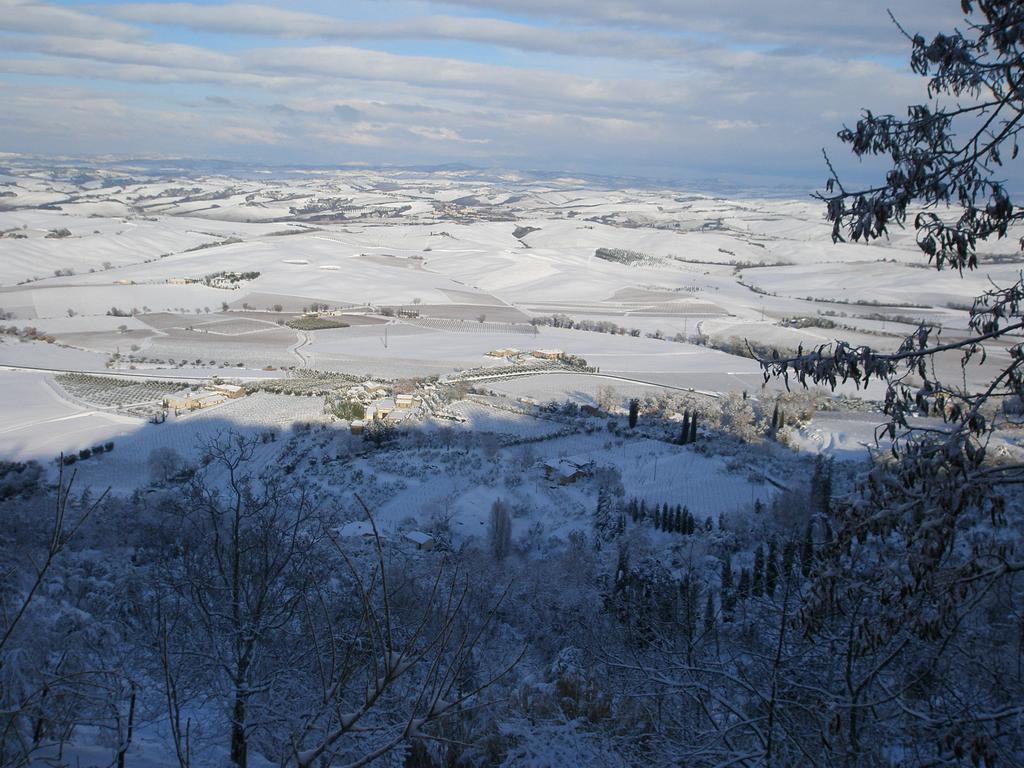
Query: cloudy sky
{"points": [[655, 88]]}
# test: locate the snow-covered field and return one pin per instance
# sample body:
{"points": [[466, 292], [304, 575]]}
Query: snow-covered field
{"points": [[433, 272]]}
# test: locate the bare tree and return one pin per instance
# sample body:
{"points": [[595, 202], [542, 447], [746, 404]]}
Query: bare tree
{"points": [[382, 678], [296, 638], [243, 560], [40, 710]]}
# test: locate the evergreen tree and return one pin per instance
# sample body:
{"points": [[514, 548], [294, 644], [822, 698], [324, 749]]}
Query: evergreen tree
{"points": [[821, 485], [622, 567], [743, 588], [500, 531], [643, 510], [807, 551], [688, 607], [709, 524], [684, 436], [634, 412], [757, 580], [728, 596], [771, 568], [709, 613], [826, 487], [677, 520], [657, 517], [775, 420], [603, 517], [693, 428], [788, 558]]}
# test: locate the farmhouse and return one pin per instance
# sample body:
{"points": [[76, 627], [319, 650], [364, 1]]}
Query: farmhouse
{"points": [[548, 354], [423, 541], [566, 472], [404, 402], [230, 391], [357, 529], [383, 409], [189, 400], [376, 389]]}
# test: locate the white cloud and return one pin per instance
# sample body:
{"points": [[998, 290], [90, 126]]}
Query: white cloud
{"points": [[732, 84], [32, 17], [834, 25], [443, 134], [267, 21]]}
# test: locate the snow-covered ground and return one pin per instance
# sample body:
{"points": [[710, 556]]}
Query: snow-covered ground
{"points": [[434, 272]]}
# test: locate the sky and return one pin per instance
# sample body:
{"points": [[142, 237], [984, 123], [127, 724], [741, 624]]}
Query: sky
{"points": [[645, 88]]}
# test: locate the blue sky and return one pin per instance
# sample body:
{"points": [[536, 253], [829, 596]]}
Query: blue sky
{"points": [[655, 88]]}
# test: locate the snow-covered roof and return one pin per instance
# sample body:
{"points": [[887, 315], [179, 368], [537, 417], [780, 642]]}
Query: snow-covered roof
{"points": [[565, 467], [419, 537], [355, 529]]}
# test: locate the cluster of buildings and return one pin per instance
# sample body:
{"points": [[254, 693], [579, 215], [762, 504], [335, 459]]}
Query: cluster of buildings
{"points": [[204, 397], [379, 405], [515, 354]]}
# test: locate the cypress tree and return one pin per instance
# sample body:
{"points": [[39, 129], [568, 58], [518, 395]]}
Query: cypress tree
{"points": [[807, 551], [775, 419], [657, 517], [743, 588], [709, 613], [693, 428], [643, 509], [622, 567], [757, 581], [728, 596], [634, 412], [687, 603], [826, 487], [821, 485], [815, 491], [771, 568], [603, 521], [788, 557], [684, 436]]}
